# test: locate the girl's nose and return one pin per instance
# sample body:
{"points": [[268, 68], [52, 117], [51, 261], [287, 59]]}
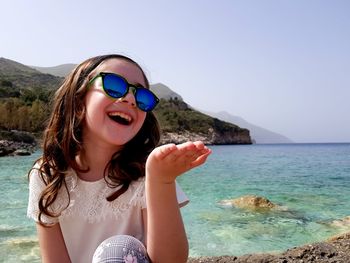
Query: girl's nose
{"points": [[129, 98]]}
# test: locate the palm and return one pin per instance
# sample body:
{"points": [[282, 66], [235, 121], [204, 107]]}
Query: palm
{"points": [[168, 161]]}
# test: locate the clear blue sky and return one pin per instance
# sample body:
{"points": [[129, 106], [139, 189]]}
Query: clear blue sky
{"points": [[281, 65]]}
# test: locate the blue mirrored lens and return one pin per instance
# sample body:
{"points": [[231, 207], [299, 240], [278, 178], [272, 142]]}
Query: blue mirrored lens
{"points": [[115, 86], [145, 99]]}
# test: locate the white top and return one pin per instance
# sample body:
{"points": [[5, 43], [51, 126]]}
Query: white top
{"points": [[90, 218]]}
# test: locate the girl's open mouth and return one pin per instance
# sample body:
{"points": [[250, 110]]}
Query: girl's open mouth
{"points": [[120, 118]]}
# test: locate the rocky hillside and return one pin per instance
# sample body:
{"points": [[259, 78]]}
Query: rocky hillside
{"points": [[25, 93], [180, 123]]}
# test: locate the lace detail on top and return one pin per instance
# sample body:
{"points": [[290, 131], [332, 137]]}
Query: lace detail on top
{"points": [[87, 199]]}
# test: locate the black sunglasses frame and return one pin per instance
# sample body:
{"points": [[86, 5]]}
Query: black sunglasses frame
{"points": [[134, 89]]}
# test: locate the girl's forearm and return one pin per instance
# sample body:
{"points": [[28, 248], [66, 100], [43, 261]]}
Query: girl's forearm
{"points": [[52, 246], [166, 236]]}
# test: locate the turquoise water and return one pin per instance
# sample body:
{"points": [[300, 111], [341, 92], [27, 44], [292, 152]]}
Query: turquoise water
{"points": [[309, 181], [18, 242]]}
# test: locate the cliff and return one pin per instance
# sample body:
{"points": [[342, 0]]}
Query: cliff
{"points": [[210, 138], [181, 123]]}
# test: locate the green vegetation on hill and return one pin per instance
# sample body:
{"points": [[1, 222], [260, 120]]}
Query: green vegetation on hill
{"points": [[176, 115], [19, 77], [16, 114], [24, 96]]}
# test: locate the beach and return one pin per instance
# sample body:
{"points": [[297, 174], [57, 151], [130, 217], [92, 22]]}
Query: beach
{"points": [[334, 250]]}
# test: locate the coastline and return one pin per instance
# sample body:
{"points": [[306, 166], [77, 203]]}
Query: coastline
{"points": [[334, 250], [13, 148], [15, 142]]}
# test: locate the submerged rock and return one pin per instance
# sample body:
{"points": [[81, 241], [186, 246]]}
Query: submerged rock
{"points": [[344, 222], [252, 202]]}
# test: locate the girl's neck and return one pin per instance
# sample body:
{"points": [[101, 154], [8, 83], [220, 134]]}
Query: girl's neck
{"points": [[95, 156]]}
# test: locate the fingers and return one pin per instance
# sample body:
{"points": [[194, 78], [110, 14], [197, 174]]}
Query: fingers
{"points": [[185, 153], [168, 161], [190, 154], [200, 145], [201, 159], [163, 151]]}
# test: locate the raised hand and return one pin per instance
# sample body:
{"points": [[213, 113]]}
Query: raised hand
{"points": [[168, 161]]}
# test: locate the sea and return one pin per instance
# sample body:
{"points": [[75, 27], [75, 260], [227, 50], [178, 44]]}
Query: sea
{"points": [[309, 183]]}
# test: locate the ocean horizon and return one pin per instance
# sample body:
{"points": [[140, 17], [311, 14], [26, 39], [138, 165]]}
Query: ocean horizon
{"points": [[309, 182]]}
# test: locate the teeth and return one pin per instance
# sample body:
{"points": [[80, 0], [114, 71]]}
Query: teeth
{"points": [[121, 115]]}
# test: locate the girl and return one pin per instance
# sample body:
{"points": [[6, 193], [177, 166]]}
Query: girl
{"points": [[101, 174]]}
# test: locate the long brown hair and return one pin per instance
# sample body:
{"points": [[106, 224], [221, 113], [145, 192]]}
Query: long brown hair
{"points": [[63, 138]]}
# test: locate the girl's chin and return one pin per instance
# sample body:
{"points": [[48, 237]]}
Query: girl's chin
{"points": [[119, 142]]}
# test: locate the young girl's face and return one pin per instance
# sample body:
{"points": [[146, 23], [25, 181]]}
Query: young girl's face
{"points": [[109, 121]]}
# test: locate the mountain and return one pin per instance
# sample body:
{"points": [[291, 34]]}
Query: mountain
{"points": [[179, 122], [164, 92], [9, 67], [18, 76], [258, 134], [60, 70]]}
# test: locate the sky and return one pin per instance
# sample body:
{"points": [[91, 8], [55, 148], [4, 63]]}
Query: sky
{"points": [[283, 65]]}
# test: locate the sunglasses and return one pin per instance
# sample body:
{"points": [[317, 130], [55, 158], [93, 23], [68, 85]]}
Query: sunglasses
{"points": [[117, 87]]}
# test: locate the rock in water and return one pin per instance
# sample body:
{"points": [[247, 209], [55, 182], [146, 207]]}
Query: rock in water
{"points": [[251, 202], [22, 152], [344, 222]]}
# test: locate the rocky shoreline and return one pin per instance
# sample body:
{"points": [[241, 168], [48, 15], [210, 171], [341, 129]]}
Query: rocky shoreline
{"points": [[212, 137], [12, 148], [24, 143], [17, 143], [333, 250]]}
